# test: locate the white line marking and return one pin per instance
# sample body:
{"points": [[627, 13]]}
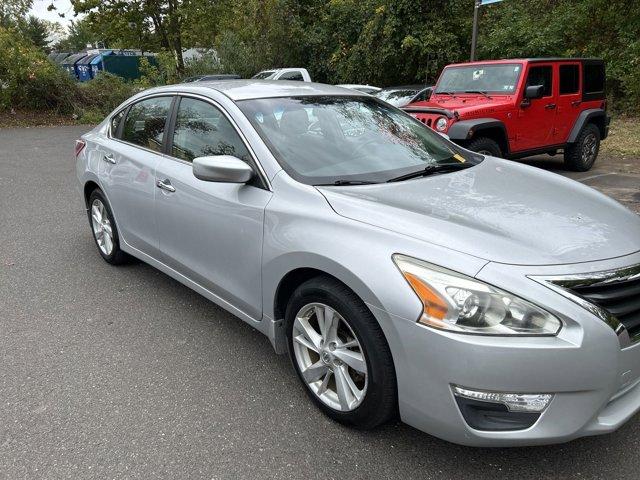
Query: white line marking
{"points": [[595, 176]]}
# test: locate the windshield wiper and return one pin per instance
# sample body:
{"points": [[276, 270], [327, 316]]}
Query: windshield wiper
{"points": [[445, 93], [431, 169], [346, 182], [480, 92]]}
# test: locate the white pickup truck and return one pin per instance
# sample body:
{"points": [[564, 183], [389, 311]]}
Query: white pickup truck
{"points": [[296, 74]]}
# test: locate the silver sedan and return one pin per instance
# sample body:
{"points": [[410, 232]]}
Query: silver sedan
{"points": [[482, 301]]}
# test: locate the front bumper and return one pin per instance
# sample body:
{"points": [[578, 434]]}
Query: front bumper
{"points": [[595, 383]]}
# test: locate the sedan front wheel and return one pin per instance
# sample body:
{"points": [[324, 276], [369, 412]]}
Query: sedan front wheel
{"points": [[340, 353]]}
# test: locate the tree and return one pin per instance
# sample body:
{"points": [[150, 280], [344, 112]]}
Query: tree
{"points": [[143, 24], [37, 31], [10, 10]]}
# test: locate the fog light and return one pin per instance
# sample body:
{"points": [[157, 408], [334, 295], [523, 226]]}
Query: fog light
{"points": [[515, 402]]}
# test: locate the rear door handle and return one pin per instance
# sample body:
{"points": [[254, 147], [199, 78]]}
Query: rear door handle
{"points": [[550, 106], [165, 185], [109, 159], [576, 103]]}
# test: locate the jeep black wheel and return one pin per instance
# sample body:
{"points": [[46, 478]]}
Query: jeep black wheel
{"points": [[485, 146], [581, 155]]}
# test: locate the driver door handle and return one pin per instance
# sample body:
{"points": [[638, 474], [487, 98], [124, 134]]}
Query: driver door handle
{"points": [[109, 158], [550, 106], [165, 185]]}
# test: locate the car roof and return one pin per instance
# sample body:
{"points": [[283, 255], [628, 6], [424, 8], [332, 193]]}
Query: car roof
{"points": [[252, 88]]}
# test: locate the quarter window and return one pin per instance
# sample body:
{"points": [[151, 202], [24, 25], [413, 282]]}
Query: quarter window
{"points": [[541, 76], [146, 122], [202, 130], [569, 79], [593, 78], [116, 120]]}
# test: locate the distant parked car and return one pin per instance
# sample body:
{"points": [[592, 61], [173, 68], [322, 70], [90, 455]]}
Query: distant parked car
{"points": [[370, 89], [404, 95], [517, 108], [210, 78], [295, 74]]}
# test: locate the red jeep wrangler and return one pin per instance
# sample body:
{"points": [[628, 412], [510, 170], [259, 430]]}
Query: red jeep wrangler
{"points": [[517, 108]]}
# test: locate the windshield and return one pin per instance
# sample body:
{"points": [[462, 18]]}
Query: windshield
{"points": [[397, 98], [263, 75], [501, 78], [321, 140]]}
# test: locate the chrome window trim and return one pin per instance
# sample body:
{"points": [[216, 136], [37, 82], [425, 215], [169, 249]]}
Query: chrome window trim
{"points": [[563, 283]]}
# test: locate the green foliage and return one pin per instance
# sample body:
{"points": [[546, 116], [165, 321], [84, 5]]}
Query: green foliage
{"points": [[609, 29], [103, 94], [28, 79]]}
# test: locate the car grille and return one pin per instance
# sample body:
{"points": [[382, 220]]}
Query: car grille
{"points": [[620, 298], [613, 295]]}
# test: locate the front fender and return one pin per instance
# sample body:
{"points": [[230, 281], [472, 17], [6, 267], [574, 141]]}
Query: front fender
{"points": [[466, 129]]}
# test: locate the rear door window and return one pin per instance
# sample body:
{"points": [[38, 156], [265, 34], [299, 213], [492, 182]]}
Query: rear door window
{"points": [[569, 79], [146, 123]]}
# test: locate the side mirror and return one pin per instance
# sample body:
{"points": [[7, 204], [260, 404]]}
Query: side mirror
{"points": [[533, 92], [222, 168]]}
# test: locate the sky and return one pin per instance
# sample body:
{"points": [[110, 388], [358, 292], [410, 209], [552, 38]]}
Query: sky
{"points": [[39, 9]]}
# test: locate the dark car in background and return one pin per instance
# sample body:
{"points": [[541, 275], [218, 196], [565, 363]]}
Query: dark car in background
{"points": [[404, 95]]}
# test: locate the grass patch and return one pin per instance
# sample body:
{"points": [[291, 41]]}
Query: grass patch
{"points": [[21, 119], [624, 137]]}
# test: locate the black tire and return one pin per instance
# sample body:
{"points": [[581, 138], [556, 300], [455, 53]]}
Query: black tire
{"points": [[485, 146], [581, 155], [379, 404], [117, 256]]}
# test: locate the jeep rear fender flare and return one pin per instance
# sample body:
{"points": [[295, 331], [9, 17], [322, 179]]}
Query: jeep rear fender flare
{"points": [[595, 115], [468, 129]]}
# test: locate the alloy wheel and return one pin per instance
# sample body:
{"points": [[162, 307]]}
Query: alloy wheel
{"points": [[589, 149], [102, 229], [329, 357]]}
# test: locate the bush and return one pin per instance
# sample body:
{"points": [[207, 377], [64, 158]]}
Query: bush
{"points": [[102, 94], [29, 80]]}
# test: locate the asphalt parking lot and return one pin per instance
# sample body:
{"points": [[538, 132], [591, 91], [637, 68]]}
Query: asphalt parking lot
{"points": [[125, 373]]}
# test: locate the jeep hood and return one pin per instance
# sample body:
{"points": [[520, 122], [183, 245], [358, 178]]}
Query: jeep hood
{"points": [[498, 211], [479, 105]]}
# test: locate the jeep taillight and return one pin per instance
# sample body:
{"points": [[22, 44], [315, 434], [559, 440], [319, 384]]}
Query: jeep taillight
{"points": [[80, 144]]}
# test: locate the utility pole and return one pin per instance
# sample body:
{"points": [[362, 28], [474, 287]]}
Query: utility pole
{"points": [[474, 32]]}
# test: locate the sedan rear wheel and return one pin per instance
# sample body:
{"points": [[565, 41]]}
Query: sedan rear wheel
{"points": [[105, 231]]}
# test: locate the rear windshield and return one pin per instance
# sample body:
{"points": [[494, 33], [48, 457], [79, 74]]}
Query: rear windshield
{"points": [[501, 78], [263, 75]]}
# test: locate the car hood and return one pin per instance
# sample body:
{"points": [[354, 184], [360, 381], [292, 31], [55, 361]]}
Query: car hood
{"points": [[499, 211]]}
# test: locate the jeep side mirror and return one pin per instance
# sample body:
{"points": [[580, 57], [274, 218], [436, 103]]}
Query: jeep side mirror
{"points": [[534, 92]]}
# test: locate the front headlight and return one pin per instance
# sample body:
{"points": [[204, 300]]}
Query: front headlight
{"points": [[458, 303], [441, 124]]}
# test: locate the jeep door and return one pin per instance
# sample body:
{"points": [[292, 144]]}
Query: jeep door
{"points": [[569, 99], [211, 232], [534, 126]]}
